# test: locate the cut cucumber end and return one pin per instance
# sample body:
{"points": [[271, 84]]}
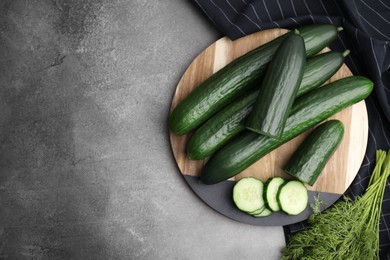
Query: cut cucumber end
{"points": [[261, 132], [308, 180], [346, 53]]}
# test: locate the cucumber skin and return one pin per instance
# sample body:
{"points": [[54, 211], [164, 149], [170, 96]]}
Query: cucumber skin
{"points": [[319, 69], [279, 88], [308, 161], [229, 122], [256, 212], [220, 128], [307, 111], [266, 212], [318, 36], [237, 77]]}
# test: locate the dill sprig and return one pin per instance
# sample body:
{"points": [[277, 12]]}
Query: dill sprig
{"points": [[348, 229]]}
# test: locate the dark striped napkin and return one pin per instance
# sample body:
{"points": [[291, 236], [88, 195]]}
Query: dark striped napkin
{"points": [[366, 33]]}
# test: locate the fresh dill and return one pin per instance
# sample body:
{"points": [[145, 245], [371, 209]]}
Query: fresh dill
{"points": [[349, 229]]}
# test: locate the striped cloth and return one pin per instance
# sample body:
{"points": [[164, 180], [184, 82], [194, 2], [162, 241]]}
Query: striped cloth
{"points": [[366, 33]]}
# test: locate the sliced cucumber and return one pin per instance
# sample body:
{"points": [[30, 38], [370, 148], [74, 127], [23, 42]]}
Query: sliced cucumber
{"points": [[271, 189], [264, 213], [293, 197], [256, 212], [248, 194]]}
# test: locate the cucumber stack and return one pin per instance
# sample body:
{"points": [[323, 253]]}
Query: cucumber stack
{"points": [[239, 76], [253, 197], [262, 100]]}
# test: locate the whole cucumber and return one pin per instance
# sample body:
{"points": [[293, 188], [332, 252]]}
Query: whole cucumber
{"points": [[229, 122], [307, 111], [308, 161], [278, 88], [237, 77]]}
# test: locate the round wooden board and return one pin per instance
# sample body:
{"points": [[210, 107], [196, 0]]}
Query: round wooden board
{"points": [[343, 165]]}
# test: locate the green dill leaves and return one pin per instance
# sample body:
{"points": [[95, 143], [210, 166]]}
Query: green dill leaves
{"points": [[348, 229]]}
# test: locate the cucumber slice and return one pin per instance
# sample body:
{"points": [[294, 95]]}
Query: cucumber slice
{"points": [[248, 194], [256, 212], [264, 213], [270, 192], [293, 197]]}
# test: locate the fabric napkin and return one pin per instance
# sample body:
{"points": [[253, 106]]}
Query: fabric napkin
{"points": [[366, 33]]}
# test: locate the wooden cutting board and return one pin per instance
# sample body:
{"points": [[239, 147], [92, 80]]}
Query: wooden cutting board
{"points": [[343, 165]]}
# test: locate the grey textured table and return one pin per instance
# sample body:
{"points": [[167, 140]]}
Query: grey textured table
{"points": [[86, 166]]}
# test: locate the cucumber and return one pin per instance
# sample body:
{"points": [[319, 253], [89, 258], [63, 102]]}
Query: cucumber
{"points": [[278, 88], [307, 111], [220, 128], [228, 122], [308, 161], [293, 197], [318, 36], [271, 188], [320, 68], [248, 195], [237, 77], [264, 213], [256, 212]]}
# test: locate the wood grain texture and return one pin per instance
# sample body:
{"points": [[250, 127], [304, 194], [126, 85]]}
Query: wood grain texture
{"points": [[343, 165]]}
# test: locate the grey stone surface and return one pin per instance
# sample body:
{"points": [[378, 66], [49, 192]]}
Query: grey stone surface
{"points": [[86, 170]]}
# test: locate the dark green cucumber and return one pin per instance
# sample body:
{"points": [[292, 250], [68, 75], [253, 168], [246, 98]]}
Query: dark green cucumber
{"points": [[237, 77], [228, 122], [316, 33], [308, 161], [320, 68], [278, 88], [220, 128], [307, 111]]}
